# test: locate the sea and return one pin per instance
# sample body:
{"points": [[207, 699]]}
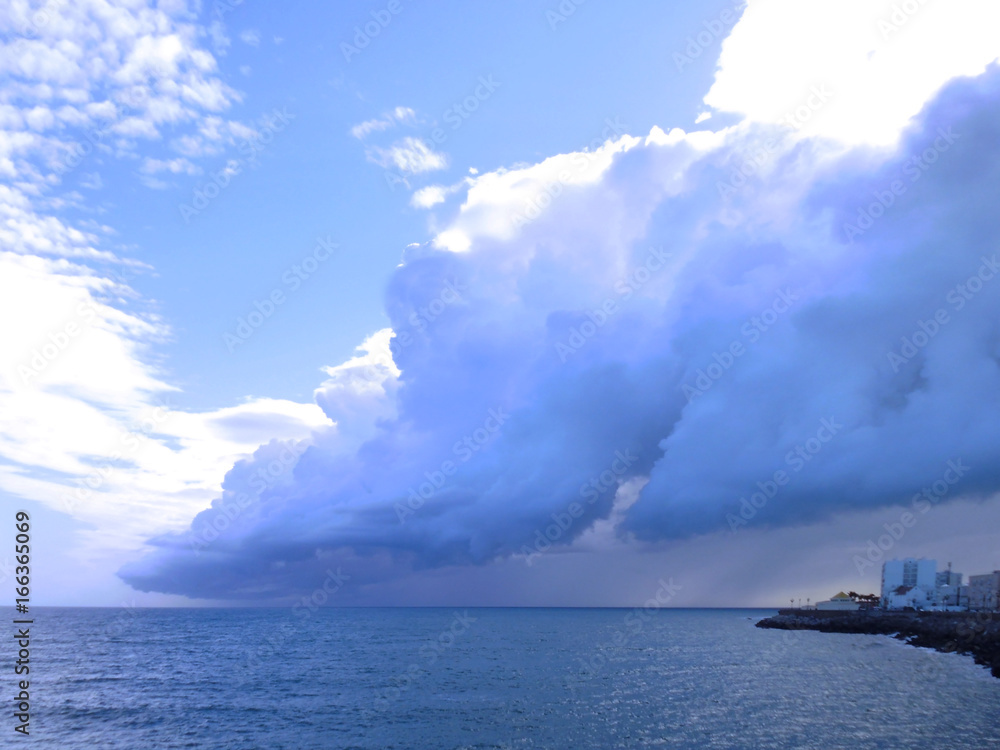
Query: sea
{"points": [[141, 679]]}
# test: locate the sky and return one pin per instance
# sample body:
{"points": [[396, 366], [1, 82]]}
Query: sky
{"points": [[540, 304]]}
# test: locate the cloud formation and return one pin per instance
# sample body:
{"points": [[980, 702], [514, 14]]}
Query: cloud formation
{"points": [[659, 337], [399, 115], [86, 422], [881, 60], [409, 155]]}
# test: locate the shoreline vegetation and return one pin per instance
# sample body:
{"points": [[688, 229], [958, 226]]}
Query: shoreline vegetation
{"points": [[975, 633]]}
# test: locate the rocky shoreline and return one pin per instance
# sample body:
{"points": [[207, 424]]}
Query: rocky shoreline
{"points": [[975, 633]]}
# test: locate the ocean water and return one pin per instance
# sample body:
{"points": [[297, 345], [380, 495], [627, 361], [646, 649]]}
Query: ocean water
{"points": [[488, 678]]}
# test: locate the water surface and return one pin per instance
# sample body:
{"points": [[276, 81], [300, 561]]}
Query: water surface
{"points": [[489, 678]]}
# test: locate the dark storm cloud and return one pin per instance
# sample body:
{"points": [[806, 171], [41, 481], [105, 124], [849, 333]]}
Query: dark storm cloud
{"points": [[724, 337]]}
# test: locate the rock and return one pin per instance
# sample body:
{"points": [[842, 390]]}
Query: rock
{"points": [[975, 633]]}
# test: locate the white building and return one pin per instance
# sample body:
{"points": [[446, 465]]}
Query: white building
{"points": [[947, 578], [840, 601], [953, 597], [909, 583], [984, 591], [949, 593], [907, 596]]}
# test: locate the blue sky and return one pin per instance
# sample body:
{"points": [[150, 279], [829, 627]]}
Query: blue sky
{"points": [[612, 267], [556, 89]]}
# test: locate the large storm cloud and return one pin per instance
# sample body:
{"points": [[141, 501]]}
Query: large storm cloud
{"points": [[702, 316]]}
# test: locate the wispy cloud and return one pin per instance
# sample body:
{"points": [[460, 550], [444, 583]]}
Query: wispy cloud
{"points": [[398, 116], [409, 155], [86, 425], [251, 37]]}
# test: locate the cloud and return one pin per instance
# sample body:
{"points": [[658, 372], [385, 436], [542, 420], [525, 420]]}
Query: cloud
{"points": [[586, 353], [91, 181], [86, 422], [409, 155], [151, 167], [879, 59], [98, 78], [251, 37], [432, 195], [398, 116]]}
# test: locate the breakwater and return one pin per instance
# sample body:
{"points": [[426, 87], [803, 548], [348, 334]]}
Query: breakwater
{"points": [[975, 633]]}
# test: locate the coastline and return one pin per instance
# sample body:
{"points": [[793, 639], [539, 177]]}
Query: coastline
{"points": [[974, 633]]}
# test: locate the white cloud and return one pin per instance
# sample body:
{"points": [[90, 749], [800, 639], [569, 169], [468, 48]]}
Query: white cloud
{"points": [[251, 37], [92, 71], [400, 115], [91, 181], [151, 167], [429, 196], [174, 166], [76, 393], [879, 59], [85, 422], [499, 203], [409, 155], [360, 392]]}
